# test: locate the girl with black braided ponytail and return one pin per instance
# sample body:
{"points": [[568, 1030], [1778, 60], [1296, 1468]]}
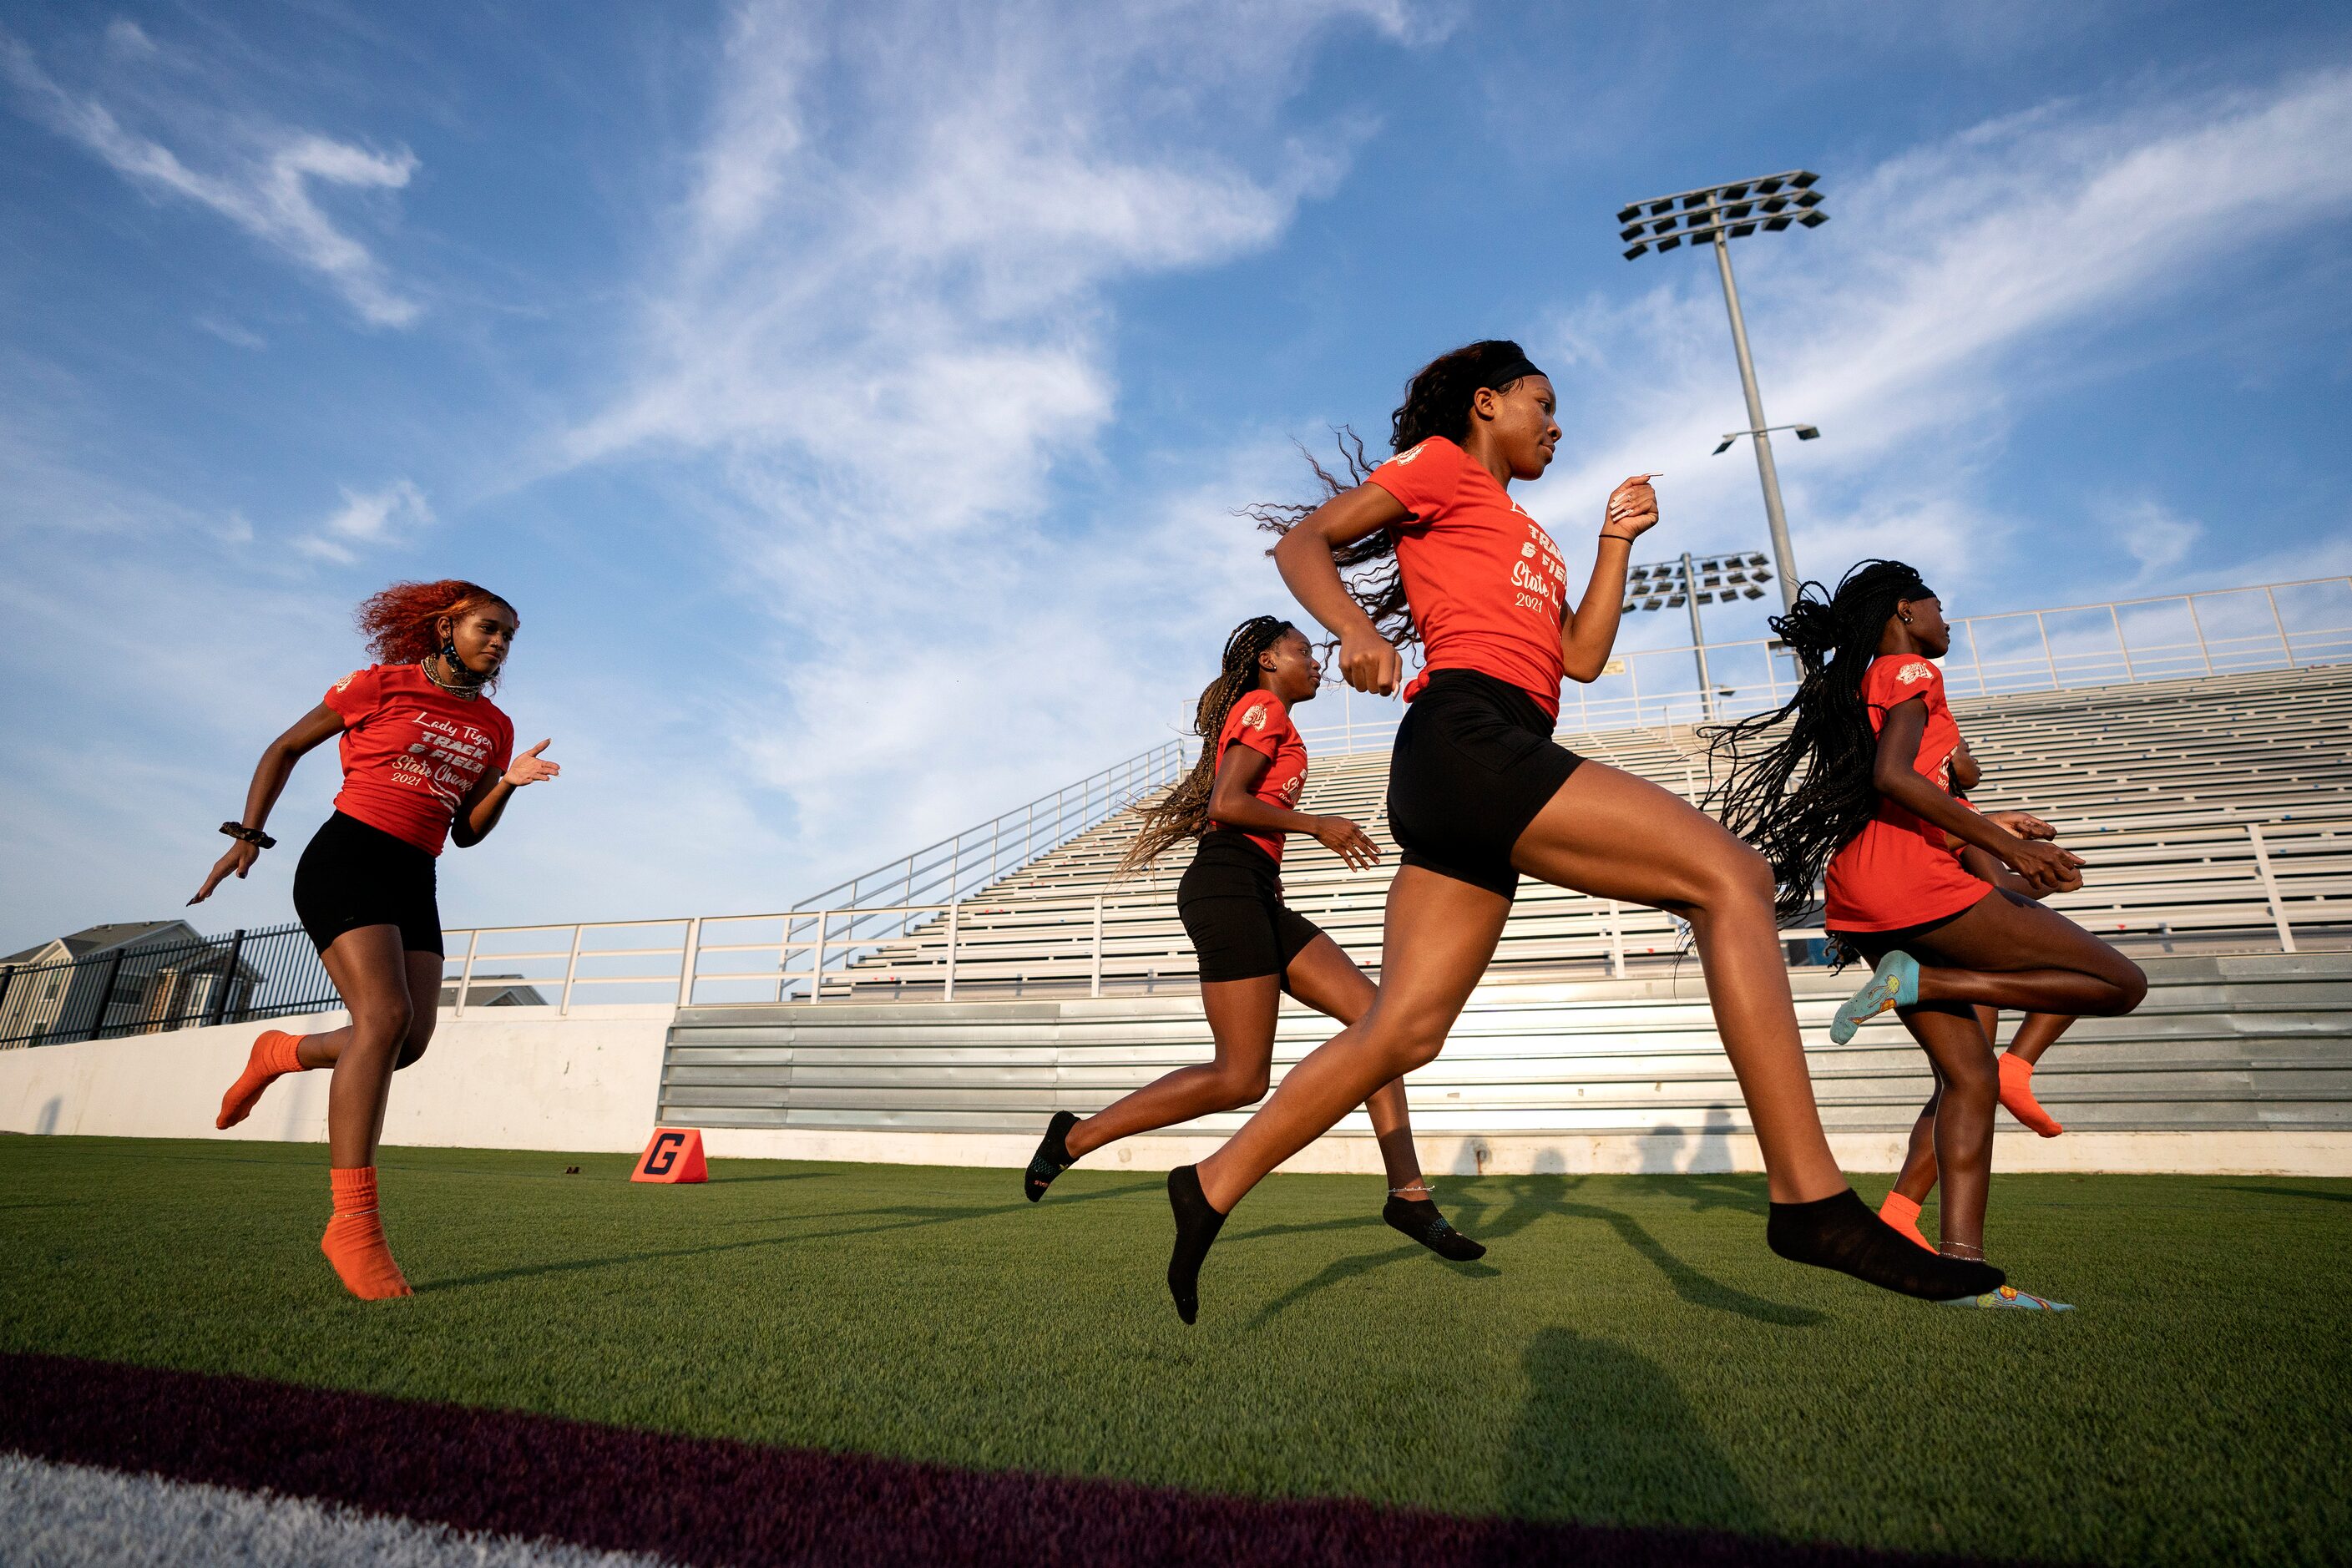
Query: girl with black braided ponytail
{"points": [[1240, 800], [1430, 548], [1848, 787]]}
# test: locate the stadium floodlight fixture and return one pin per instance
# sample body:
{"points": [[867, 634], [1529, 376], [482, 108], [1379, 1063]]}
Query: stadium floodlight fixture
{"points": [[1804, 433], [1692, 581], [1717, 215]]}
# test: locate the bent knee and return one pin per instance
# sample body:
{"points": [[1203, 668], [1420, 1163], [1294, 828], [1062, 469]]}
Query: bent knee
{"points": [[1972, 1081], [412, 1049], [1237, 1089], [2131, 986], [1737, 877], [392, 1020]]}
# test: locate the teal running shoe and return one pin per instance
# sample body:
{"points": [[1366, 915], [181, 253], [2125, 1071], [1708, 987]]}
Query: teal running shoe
{"points": [[2009, 1299], [1893, 983]]}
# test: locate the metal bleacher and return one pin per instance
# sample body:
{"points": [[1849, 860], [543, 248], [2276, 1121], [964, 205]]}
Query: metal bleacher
{"points": [[2216, 815]]}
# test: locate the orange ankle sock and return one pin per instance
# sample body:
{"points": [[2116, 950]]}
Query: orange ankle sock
{"points": [[354, 1241], [2017, 1093], [1904, 1216], [275, 1053]]}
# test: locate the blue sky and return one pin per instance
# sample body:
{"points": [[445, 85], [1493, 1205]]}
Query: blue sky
{"points": [[854, 399]]}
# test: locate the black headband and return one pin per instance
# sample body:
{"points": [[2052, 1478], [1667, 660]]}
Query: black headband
{"points": [[1509, 371]]}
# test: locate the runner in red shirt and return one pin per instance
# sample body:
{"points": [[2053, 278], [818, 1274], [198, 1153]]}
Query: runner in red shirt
{"points": [[1851, 777], [1479, 794], [1240, 800], [426, 755]]}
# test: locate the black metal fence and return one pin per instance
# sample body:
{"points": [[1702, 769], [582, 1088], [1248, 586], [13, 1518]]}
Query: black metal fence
{"points": [[140, 990]]}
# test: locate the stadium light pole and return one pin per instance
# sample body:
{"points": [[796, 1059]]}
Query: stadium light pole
{"points": [[1721, 213], [1696, 581]]}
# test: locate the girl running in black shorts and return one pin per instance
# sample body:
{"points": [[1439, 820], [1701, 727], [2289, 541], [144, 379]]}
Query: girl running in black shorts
{"points": [[1847, 788], [1479, 794], [425, 755], [1239, 801]]}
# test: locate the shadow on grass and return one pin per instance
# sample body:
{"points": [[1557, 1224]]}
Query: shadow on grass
{"points": [[1530, 1198], [2296, 1193], [899, 1217], [1606, 1437], [1342, 1270]]}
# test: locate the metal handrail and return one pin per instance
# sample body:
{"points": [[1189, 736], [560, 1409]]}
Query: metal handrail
{"points": [[964, 862], [812, 949], [1768, 676]]}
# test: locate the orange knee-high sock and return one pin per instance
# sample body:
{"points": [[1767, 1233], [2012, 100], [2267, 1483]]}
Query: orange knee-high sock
{"points": [[2017, 1093], [354, 1241], [274, 1055], [1904, 1216]]}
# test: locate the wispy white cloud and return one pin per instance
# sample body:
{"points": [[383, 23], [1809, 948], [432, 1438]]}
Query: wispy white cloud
{"points": [[231, 333], [887, 316], [263, 182], [1948, 292], [365, 517]]}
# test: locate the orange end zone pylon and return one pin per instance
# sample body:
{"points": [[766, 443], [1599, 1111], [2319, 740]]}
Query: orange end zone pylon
{"points": [[673, 1155]]}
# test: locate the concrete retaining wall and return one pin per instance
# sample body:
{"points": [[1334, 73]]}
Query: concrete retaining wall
{"points": [[507, 1077]]}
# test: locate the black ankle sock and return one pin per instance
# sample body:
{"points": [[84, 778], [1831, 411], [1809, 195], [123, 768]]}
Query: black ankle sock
{"points": [[1841, 1232], [1053, 1156], [1196, 1226], [1419, 1218]]}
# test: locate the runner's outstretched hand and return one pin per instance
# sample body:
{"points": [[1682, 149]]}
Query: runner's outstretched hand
{"points": [[530, 767], [239, 860], [1347, 841], [2047, 868]]}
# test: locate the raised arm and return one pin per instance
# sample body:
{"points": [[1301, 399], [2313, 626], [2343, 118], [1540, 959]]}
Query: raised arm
{"points": [[269, 775], [1589, 631], [1368, 661]]}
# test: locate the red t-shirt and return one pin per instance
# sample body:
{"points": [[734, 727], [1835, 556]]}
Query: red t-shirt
{"points": [[1261, 721], [1487, 584], [1898, 871], [412, 752]]}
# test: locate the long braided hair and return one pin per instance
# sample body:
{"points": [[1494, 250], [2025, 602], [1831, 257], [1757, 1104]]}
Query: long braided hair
{"points": [[1183, 812], [1436, 402], [1800, 795]]}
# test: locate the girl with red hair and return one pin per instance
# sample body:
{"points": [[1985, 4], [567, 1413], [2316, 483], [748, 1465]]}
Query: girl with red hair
{"points": [[426, 756]]}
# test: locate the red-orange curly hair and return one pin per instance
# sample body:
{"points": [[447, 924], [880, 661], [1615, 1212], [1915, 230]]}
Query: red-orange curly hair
{"points": [[401, 624]]}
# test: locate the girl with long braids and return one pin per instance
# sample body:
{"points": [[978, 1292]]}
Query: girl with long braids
{"points": [[1847, 786], [426, 755], [1239, 801], [1479, 794]]}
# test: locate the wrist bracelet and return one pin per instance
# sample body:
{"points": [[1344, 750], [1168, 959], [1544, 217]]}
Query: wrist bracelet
{"points": [[1626, 537], [252, 835]]}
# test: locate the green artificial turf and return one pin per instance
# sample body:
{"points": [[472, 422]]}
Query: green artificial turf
{"points": [[1628, 1352]]}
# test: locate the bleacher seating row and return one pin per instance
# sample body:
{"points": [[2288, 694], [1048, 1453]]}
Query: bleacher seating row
{"points": [[2216, 815]]}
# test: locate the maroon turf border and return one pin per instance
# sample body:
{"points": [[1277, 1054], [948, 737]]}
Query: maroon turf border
{"points": [[715, 1502]]}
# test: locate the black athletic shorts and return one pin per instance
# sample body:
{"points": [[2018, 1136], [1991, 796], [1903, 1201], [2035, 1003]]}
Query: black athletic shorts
{"points": [[1231, 904], [1474, 763], [351, 875]]}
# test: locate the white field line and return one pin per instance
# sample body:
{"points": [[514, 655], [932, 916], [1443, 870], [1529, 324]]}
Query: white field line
{"points": [[72, 1516]]}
